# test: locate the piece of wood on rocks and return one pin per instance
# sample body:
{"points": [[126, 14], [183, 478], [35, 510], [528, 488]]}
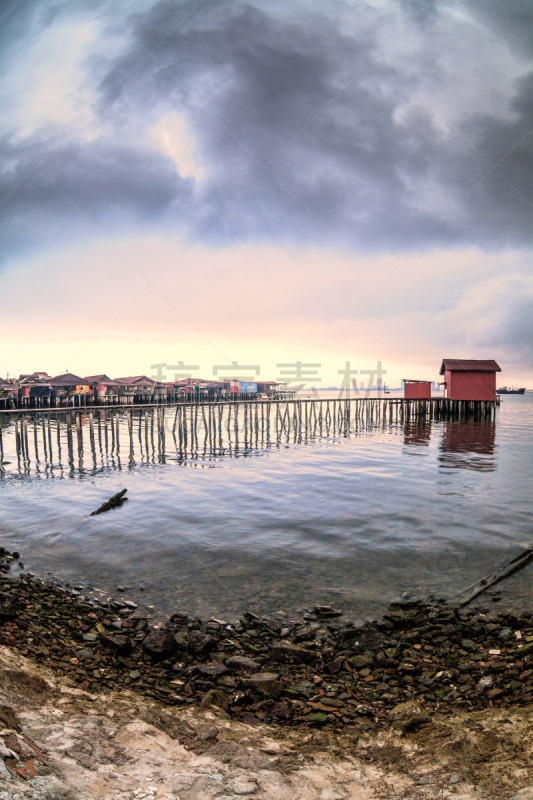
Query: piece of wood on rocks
{"points": [[508, 569], [114, 502]]}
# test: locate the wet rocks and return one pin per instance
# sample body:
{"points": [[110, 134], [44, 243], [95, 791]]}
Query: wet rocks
{"points": [[242, 664], [316, 671], [122, 644], [287, 653], [212, 670], [201, 643], [264, 683], [159, 644]]}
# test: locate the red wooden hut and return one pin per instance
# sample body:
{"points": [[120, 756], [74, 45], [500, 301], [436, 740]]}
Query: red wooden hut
{"points": [[469, 379], [416, 390]]}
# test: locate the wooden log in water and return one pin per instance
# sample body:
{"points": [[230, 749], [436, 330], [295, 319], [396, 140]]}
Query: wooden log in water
{"points": [[114, 502], [515, 565]]}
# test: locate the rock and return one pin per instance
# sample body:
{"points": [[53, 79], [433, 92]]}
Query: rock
{"points": [[9, 718], [182, 640], [207, 733], [265, 683], [241, 664], [201, 643], [281, 710], [286, 653], [7, 610], [179, 619], [159, 644], [328, 611], [317, 718], [243, 786], [121, 644], [524, 794], [214, 697], [212, 670], [361, 661], [348, 635], [409, 716]]}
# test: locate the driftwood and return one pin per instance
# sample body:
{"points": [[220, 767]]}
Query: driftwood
{"points": [[114, 502], [515, 565]]}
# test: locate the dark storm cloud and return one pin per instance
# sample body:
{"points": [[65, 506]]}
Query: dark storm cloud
{"points": [[70, 190], [295, 120], [306, 115]]}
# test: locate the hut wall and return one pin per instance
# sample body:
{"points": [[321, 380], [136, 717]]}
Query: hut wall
{"points": [[470, 385], [417, 391]]}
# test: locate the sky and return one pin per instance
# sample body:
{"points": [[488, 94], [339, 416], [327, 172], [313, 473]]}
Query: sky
{"points": [[221, 188]]}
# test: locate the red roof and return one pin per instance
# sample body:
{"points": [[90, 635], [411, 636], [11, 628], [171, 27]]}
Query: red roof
{"points": [[103, 380], [68, 379], [414, 380], [142, 379], [469, 365]]}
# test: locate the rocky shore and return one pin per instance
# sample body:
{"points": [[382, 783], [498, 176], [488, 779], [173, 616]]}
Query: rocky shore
{"points": [[318, 676], [318, 671]]}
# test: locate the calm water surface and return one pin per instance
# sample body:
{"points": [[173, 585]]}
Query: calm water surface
{"points": [[353, 520]]}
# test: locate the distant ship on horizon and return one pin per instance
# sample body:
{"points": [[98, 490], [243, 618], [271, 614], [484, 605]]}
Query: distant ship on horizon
{"points": [[509, 390]]}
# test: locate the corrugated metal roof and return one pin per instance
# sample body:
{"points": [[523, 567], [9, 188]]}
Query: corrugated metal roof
{"points": [[469, 365]]}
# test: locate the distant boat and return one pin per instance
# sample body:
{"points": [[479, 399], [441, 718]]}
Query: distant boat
{"points": [[509, 390]]}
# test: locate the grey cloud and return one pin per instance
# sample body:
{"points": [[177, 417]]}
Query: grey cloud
{"points": [[511, 21], [51, 192], [513, 334], [295, 121], [303, 118]]}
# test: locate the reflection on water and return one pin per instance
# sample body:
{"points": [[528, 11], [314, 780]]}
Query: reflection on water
{"points": [[272, 511], [56, 444], [468, 445], [417, 433]]}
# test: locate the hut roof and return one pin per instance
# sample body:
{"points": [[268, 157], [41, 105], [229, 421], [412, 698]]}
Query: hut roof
{"points": [[68, 379], [134, 379], [102, 379], [414, 380], [469, 365], [34, 376]]}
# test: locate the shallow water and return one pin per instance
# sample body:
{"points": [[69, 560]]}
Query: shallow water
{"points": [[353, 519]]}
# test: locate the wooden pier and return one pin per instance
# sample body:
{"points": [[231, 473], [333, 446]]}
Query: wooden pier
{"points": [[118, 436]]}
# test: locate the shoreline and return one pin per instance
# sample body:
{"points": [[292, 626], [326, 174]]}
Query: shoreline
{"points": [[316, 671], [97, 704]]}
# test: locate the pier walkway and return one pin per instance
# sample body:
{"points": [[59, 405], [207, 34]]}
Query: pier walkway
{"points": [[199, 429]]}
